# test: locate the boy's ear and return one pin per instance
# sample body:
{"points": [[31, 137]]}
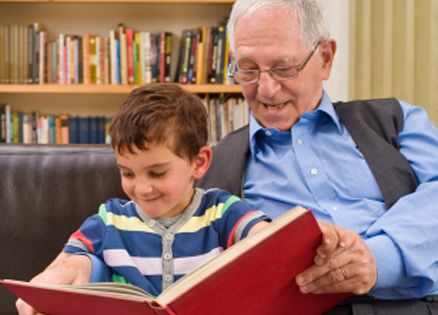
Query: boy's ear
{"points": [[202, 162]]}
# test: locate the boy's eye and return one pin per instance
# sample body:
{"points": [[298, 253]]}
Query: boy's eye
{"points": [[127, 174], [157, 174]]}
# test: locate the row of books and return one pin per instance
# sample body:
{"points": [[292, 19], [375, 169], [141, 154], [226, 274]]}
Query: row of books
{"points": [[29, 54], [225, 115], [36, 128], [204, 56]]}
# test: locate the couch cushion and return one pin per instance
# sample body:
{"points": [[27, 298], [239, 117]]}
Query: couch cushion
{"points": [[46, 191]]}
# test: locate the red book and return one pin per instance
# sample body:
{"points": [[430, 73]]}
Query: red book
{"points": [[255, 276], [130, 54]]}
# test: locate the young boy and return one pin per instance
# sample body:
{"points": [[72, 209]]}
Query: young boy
{"points": [[167, 228]]}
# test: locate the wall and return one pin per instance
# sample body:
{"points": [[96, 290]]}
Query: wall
{"points": [[337, 12]]}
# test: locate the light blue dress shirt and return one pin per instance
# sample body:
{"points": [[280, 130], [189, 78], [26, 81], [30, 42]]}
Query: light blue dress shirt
{"points": [[318, 166]]}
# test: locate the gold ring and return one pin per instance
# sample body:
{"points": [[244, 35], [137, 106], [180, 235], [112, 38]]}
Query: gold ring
{"points": [[343, 272]]}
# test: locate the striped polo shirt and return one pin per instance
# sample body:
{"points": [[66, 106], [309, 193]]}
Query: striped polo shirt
{"points": [[141, 251]]}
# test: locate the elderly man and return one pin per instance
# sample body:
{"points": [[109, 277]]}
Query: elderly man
{"points": [[368, 166]]}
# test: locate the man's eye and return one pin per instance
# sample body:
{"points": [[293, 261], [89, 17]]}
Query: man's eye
{"points": [[284, 72]]}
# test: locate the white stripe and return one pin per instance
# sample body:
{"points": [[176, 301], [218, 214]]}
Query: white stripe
{"points": [[121, 258], [153, 266], [185, 265]]}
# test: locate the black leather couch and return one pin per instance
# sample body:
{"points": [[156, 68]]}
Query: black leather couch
{"points": [[46, 191]]}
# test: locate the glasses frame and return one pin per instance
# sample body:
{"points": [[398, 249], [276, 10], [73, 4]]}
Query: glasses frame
{"points": [[234, 70]]}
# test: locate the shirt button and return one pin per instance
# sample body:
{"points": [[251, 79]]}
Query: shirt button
{"points": [[167, 256], [299, 141], [268, 133], [314, 171], [169, 237], [335, 208], [167, 278], [152, 222]]}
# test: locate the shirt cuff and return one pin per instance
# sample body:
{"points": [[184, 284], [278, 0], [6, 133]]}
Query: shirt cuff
{"points": [[388, 260]]}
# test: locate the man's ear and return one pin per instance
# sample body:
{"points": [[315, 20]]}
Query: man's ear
{"points": [[327, 51], [202, 162]]}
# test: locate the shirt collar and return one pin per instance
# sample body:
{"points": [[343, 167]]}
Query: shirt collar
{"points": [[325, 107]]}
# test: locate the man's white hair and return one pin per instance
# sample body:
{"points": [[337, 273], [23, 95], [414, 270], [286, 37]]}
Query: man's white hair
{"points": [[313, 24]]}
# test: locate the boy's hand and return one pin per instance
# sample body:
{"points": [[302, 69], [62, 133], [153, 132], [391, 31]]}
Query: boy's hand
{"points": [[65, 269]]}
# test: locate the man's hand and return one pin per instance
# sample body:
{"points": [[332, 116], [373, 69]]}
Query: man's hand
{"points": [[333, 237], [65, 269], [350, 267]]}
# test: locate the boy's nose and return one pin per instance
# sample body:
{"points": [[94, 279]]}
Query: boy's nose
{"points": [[144, 187]]}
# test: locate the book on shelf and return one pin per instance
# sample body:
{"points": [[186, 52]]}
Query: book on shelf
{"points": [[254, 276], [28, 54]]}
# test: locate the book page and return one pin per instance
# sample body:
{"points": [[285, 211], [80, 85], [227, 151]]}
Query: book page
{"points": [[112, 287]]}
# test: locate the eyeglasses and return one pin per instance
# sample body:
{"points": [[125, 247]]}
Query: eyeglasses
{"points": [[248, 76]]}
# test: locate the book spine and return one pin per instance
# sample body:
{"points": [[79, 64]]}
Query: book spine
{"points": [[220, 55], [100, 60], [136, 56], [61, 73], [123, 55], [200, 51], [113, 54], [192, 60], [42, 56], [167, 56], [106, 60], [36, 52], [130, 54], [86, 58], [162, 56], [30, 43], [92, 59]]}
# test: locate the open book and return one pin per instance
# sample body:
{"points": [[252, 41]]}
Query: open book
{"points": [[254, 276]]}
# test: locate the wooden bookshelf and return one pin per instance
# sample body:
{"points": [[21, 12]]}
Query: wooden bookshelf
{"points": [[121, 1], [74, 16], [107, 89]]}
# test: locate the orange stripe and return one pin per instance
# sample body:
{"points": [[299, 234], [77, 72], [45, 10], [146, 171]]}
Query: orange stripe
{"points": [[233, 231], [81, 237]]}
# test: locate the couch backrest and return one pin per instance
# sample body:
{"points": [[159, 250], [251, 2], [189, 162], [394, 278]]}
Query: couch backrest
{"points": [[46, 191]]}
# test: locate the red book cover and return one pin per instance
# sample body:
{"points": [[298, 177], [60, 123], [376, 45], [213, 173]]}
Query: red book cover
{"points": [[130, 54], [162, 59], [255, 276]]}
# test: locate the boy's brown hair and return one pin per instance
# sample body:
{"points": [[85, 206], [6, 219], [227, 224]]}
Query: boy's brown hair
{"points": [[161, 114]]}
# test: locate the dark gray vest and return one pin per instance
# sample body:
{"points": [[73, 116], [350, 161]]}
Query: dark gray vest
{"points": [[373, 125]]}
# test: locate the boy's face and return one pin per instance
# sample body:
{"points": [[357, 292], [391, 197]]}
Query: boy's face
{"points": [[159, 181]]}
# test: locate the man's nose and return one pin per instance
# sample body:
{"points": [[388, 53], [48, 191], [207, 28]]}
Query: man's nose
{"points": [[267, 86]]}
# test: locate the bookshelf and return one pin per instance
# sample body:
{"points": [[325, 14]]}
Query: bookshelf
{"points": [[98, 17], [108, 89]]}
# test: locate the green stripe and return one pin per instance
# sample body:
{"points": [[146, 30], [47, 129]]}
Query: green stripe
{"points": [[103, 213], [229, 202], [119, 279]]}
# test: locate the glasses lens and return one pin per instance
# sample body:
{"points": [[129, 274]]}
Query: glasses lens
{"points": [[244, 76], [284, 73]]}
